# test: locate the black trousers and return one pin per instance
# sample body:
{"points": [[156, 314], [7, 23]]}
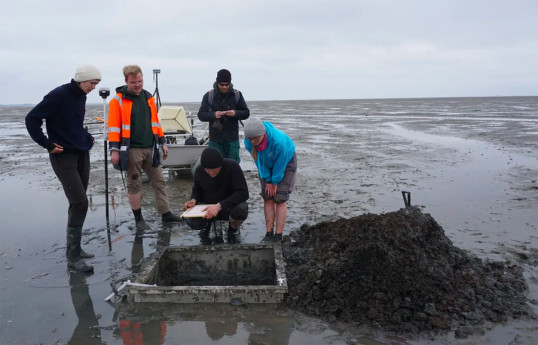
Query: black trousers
{"points": [[73, 171], [238, 212]]}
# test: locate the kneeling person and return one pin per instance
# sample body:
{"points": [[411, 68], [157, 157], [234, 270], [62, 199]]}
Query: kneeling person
{"points": [[221, 183]]}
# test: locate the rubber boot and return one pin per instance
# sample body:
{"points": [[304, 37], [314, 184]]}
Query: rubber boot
{"points": [[218, 234], [74, 260], [233, 235], [85, 255], [204, 235]]}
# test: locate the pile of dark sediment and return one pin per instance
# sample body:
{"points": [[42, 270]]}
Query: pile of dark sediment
{"points": [[397, 271]]}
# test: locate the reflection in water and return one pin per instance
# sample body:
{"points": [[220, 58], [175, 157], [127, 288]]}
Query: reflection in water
{"points": [[272, 330], [217, 329], [142, 333], [87, 330], [137, 252], [133, 330], [162, 323]]}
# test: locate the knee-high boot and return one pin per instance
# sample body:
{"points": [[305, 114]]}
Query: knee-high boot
{"points": [[74, 260]]}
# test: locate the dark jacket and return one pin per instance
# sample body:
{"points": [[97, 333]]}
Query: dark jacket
{"points": [[227, 128], [64, 109], [229, 187]]}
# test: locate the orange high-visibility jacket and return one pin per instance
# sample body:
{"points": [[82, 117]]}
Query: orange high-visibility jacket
{"points": [[119, 126]]}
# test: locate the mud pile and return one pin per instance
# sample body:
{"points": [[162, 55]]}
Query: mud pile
{"points": [[398, 271]]}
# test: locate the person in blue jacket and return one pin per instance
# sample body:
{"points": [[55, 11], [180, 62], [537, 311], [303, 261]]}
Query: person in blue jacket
{"points": [[273, 152], [68, 144]]}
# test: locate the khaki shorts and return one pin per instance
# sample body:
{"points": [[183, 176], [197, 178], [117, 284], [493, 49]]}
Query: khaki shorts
{"points": [[140, 159]]}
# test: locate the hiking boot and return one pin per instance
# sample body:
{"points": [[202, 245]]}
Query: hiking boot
{"points": [[141, 225], [268, 237], [219, 240], [168, 217], [277, 238]]}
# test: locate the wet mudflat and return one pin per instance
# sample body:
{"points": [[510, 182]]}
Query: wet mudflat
{"points": [[472, 164]]}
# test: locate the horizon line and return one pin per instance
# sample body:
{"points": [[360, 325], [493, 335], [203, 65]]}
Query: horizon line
{"points": [[323, 99]]}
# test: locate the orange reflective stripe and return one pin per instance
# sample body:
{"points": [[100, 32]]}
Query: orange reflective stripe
{"points": [[155, 123]]}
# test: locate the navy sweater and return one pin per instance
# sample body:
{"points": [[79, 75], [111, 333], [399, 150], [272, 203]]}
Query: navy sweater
{"points": [[63, 109]]}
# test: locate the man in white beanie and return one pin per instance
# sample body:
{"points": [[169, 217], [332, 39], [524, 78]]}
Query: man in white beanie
{"points": [[68, 144]]}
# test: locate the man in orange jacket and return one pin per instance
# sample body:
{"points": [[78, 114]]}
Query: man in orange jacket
{"points": [[135, 135]]}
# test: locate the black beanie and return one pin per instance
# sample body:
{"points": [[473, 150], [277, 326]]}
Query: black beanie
{"points": [[211, 158], [224, 76]]}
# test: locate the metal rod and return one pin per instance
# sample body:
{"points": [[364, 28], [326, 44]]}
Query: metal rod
{"points": [[106, 180], [104, 93], [407, 198]]}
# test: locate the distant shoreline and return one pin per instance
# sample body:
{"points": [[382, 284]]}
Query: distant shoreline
{"points": [[312, 100]]}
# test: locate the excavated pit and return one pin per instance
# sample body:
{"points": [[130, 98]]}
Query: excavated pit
{"points": [[243, 273]]}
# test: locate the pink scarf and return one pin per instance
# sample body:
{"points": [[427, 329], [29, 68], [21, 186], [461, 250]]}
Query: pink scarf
{"points": [[263, 144], [261, 147]]}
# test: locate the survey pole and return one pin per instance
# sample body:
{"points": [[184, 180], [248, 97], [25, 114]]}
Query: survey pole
{"points": [[104, 93]]}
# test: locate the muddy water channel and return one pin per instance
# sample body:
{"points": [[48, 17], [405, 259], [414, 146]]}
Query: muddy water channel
{"points": [[471, 163]]}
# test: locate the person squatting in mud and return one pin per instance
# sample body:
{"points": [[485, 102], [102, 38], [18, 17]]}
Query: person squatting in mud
{"points": [[220, 183], [273, 152], [224, 107], [135, 135], [69, 145]]}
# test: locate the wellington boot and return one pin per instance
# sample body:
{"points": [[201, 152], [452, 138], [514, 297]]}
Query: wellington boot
{"points": [[205, 239], [85, 255], [74, 260], [79, 265]]}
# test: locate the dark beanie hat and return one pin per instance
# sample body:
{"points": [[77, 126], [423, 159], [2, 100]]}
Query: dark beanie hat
{"points": [[224, 76], [211, 158]]}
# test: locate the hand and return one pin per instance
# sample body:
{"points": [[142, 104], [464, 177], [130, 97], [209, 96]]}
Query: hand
{"points": [[189, 204], [270, 189], [219, 114], [115, 157], [211, 211], [57, 149], [165, 151], [230, 113]]}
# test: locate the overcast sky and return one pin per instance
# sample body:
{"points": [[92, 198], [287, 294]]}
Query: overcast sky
{"points": [[275, 50]]}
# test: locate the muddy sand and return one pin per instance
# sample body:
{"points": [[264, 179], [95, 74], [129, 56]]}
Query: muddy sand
{"points": [[471, 165]]}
